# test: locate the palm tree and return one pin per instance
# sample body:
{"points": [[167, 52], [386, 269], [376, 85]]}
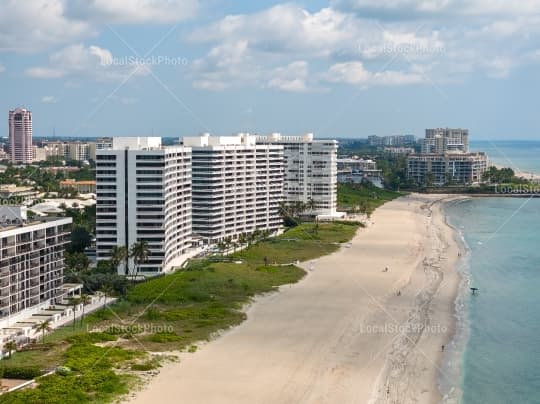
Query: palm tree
{"points": [[10, 346], [119, 254], [85, 299], [139, 252], [242, 239], [311, 204], [43, 327], [106, 290], [74, 302]]}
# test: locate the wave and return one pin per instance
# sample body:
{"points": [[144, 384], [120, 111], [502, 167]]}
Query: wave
{"points": [[451, 372]]}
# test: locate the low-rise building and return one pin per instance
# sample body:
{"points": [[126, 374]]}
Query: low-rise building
{"points": [[448, 168], [82, 187]]}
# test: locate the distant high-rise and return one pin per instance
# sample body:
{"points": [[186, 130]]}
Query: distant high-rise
{"points": [[310, 172], [20, 136], [439, 141]]}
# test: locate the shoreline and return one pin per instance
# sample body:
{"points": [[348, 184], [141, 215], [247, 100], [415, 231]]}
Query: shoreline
{"points": [[350, 331]]}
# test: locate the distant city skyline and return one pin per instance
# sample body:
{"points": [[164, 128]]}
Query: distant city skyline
{"points": [[336, 68]]}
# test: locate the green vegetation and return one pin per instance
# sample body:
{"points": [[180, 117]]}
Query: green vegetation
{"points": [[363, 198], [171, 312]]}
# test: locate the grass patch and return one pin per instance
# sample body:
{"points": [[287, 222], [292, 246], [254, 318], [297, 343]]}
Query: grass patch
{"points": [[363, 198]]}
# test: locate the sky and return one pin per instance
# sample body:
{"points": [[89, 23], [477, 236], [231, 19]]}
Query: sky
{"points": [[337, 68]]}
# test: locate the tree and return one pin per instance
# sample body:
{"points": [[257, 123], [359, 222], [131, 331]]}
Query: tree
{"points": [[43, 327], [139, 252], [80, 239], [10, 346], [119, 254], [74, 302], [85, 299]]}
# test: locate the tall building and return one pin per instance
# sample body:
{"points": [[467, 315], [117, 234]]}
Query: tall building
{"points": [[144, 193], [438, 141], [31, 260], [310, 172], [237, 186], [447, 169], [20, 136], [78, 151]]}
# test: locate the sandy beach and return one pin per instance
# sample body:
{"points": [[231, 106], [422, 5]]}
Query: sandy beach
{"points": [[350, 332]]}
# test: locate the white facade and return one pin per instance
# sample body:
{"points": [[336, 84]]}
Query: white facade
{"points": [[31, 260], [237, 186], [79, 151], [310, 171], [446, 169], [439, 141], [144, 193]]}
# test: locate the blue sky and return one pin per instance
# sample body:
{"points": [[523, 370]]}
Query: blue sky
{"points": [[338, 68]]}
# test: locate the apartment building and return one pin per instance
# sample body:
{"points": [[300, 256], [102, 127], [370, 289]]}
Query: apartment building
{"points": [[237, 186], [31, 260], [144, 193], [392, 141], [438, 141], [20, 136], [310, 172], [448, 168], [78, 151]]}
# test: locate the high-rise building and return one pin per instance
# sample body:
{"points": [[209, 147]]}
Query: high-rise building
{"points": [[144, 193], [438, 141], [237, 186], [310, 172], [78, 151], [31, 260], [20, 136]]}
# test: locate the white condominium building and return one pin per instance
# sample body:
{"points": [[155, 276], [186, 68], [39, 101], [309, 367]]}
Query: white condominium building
{"points": [[144, 193], [310, 172], [447, 169], [31, 259], [438, 141], [237, 186]]}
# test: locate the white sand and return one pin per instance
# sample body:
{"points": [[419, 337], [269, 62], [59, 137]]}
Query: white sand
{"points": [[335, 336]]}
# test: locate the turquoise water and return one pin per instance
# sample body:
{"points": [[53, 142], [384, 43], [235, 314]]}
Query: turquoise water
{"points": [[496, 355], [520, 155]]}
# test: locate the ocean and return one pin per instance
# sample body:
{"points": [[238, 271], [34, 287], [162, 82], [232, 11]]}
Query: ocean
{"points": [[519, 155], [495, 356]]}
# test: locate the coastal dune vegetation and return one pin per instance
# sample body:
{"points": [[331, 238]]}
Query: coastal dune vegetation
{"points": [[101, 357]]}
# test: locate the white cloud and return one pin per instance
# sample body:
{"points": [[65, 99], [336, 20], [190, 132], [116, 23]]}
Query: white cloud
{"points": [[34, 24], [133, 11], [284, 29], [2, 68], [225, 66], [90, 62], [49, 99], [356, 74], [291, 78]]}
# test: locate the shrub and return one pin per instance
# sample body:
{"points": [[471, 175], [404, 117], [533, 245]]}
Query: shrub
{"points": [[21, 372]]}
